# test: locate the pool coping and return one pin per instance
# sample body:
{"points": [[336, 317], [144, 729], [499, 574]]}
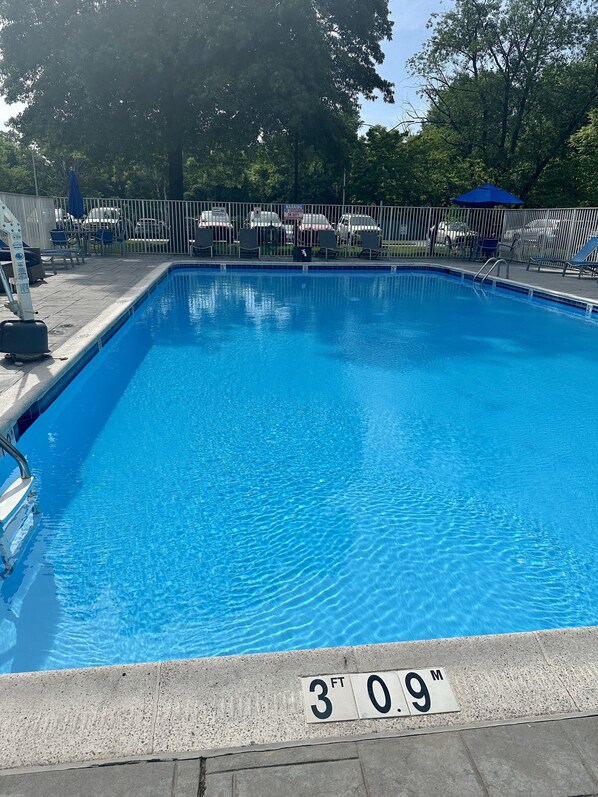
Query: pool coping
{"points": [[227, 703]]}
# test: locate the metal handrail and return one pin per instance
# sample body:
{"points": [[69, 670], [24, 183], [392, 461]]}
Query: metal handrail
{"points": [[494, 262], [8, 447]]}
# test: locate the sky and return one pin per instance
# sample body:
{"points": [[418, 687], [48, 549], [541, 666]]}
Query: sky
{"points": [[409, 33]]}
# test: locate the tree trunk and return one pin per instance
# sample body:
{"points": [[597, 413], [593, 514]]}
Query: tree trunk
{"points": [[175, 172], [179, 235], [296, 165]]}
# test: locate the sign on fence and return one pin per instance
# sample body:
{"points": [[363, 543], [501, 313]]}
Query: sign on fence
{"points": [[293, 212]]}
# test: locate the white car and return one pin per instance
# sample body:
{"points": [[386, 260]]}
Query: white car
{"points": [[219, 220], [351, 225], [107, 219], [270, 228]]}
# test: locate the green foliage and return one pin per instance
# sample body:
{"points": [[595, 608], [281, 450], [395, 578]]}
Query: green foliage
{"points": [[136, 80], [512, 80]]}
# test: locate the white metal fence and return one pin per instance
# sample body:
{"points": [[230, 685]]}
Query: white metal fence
{"points": [[36, 215], [410, 232]]}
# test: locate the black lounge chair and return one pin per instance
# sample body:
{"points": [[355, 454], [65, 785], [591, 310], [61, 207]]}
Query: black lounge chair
{"points": [[327, 243], [370, 243], [248, 243], [204, 242]]}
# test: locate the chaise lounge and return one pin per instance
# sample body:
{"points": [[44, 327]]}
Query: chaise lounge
{"points": [[578, 261]]}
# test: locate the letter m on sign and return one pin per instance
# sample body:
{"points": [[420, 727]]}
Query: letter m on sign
{"points": [[436, 675]]}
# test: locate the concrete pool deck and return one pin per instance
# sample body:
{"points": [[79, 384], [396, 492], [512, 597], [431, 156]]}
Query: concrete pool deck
{"points": [[211, 706]]}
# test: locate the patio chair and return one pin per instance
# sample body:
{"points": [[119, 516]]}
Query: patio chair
{"points": [[327, 243], [370, 243], [248, 244], [507, 249], [63, 247], [204, 242], [101, 240], [577, 261], [487, 247]]}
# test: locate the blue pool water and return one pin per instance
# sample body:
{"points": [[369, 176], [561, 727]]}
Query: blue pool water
{"points": [[260, 462]]}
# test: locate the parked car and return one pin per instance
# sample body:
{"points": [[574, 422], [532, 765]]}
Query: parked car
{"points": [[310, 226], [455, 233], [64, 220], [219, 220], [107, 219], [269, 226], [351, 225], [538, 231], [289, 232], [151, 228]]}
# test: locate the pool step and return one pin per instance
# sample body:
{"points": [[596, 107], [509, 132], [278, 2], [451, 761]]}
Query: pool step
{"points": [[18, 518]]}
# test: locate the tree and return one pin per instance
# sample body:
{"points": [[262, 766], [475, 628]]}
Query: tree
{"points": [[510, 81], [131, 78], [397, 168]]}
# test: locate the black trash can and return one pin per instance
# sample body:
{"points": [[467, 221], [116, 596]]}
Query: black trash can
{"points": [[302, 254]]}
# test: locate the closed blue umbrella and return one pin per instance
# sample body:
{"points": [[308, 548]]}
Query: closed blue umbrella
{"points": [[75, 201], [487, 196]]}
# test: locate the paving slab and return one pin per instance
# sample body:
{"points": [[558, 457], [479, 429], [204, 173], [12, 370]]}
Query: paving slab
{"points": [[531, 760], [434, 765], [186, 778], [76, 715], [219, 785], [302, 754], [583, 734], [334, 779], [133, 780]]}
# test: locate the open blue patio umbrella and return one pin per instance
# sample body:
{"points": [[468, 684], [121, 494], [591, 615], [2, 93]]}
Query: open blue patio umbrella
{"points": [[75, 204], [486, 196]]}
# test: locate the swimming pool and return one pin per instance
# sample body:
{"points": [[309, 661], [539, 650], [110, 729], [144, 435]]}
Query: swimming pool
{"points": [[261, 462]]}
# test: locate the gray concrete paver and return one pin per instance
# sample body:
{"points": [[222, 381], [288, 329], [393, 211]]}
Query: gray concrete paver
{"points": [[434, 765], [531, 760], [186, 778], [219, 785], [334, 779], [152, 779], [281, 757], [583, 733]]}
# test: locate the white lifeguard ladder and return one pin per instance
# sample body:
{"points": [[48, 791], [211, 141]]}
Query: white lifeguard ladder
{"points": [[18, 504]]}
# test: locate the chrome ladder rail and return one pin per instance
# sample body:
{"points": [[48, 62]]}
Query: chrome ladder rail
{"points": [[493, 263], [16, 503]]}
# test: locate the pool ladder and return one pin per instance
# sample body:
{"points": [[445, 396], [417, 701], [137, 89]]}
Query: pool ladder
{"points": [[492, 263], [18, 510]]}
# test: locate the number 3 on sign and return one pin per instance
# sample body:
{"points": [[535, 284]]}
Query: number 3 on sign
{"points": [[328, 698]]}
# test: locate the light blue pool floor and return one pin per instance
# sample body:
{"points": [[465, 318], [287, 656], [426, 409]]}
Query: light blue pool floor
{"points": [[262, 463]]}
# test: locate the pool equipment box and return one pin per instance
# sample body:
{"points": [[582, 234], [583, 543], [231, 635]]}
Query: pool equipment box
{"points": [[28, 338], [302, 254]]}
